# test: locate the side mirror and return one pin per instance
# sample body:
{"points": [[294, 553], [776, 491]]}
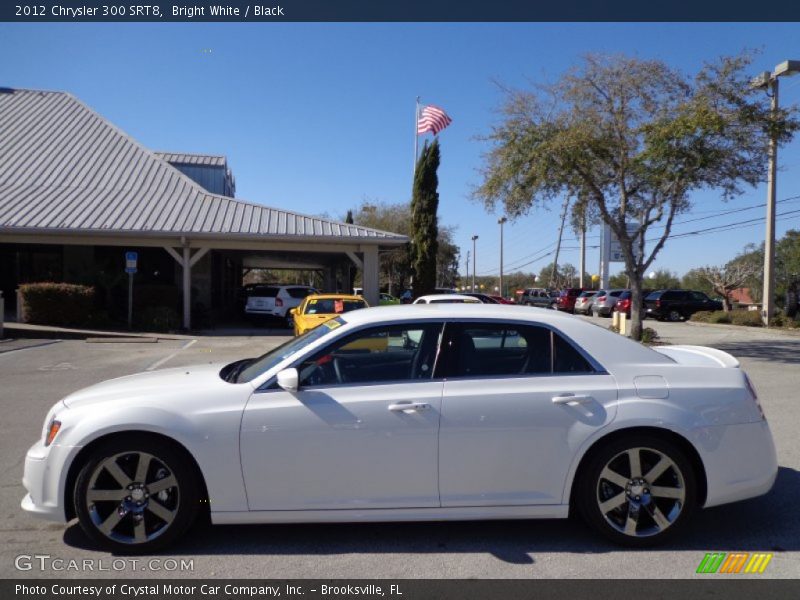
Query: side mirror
{"points": [[288, 379], [292, 311]]}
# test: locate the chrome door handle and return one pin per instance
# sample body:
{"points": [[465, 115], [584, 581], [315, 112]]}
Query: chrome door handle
{"points": [[572, 399], [408, 406]]}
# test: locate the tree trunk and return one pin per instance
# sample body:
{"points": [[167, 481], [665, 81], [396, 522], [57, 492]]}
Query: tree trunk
{"points": [[636, 308], [727, 305]]}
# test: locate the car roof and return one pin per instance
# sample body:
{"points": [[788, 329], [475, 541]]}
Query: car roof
{"points": [[610, 348]]}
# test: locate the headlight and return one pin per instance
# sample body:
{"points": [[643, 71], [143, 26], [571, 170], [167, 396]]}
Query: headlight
{"points": [[52, 431]]}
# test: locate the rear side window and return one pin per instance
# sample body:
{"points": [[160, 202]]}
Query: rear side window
{"points": [[498, 349], [494, 349], [263, 291], [297, 292]]}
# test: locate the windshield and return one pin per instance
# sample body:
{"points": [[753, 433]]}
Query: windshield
{"points": [[265, 362]]}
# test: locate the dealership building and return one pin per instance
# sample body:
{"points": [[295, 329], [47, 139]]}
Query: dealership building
{"points": [[76, 194]]}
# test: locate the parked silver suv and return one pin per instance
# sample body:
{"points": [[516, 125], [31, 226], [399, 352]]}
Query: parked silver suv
{"points": [[538, 297], [604, 301]]}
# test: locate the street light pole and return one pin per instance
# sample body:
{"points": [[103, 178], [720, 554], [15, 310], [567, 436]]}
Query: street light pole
{"points": [[501, 221], [474, 254], [768, 297], [769, 82]]}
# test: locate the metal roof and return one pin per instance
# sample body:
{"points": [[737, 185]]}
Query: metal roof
{"points": [[182, 158], [65, 168]]}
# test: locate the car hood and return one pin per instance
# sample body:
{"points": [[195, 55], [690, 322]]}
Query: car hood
{"points": [[150, 386]]}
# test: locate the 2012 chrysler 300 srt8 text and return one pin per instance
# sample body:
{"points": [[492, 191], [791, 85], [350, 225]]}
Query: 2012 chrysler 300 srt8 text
{"points": [[427, 412]]}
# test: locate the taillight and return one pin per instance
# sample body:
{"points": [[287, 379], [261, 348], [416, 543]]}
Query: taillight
{"points": [[752, 390], [278, 302], [658, 303]]}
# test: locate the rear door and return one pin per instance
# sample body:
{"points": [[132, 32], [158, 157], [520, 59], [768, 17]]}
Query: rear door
{"points": [[519, 400]]}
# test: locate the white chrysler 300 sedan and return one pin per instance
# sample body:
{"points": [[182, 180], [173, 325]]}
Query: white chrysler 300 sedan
{"points": [[433, 412]]}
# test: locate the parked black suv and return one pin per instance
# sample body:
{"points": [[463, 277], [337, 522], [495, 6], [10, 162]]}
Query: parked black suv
{"points": [[677, 305]]}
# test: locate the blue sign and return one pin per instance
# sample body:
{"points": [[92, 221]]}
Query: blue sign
{"points": [[130, 261]]}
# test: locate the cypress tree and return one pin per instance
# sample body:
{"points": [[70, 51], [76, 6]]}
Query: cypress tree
{"points": [[424, 222]]}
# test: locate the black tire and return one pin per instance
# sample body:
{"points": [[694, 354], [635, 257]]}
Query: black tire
{"points": [[674, 315], [181, 501], [656, 518]]}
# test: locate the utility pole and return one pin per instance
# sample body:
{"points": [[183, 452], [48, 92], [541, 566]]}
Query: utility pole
{"points": [[467, 278], [558, 246], [474, 255], [501, 221], [768, 298], [769, 82], [583, 248]]}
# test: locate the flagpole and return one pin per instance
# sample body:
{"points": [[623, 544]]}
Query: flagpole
{"points": [[416, 138]]}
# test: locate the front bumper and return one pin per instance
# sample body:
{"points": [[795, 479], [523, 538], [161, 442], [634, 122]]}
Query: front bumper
{"points": [[740, 461], [44, 479]]}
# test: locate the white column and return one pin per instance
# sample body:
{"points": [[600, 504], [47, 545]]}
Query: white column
{"points": [[187, 261], [370, 275], [187, 287]]}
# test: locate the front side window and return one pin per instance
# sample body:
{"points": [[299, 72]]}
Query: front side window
{"points": [[378, 354], [699, 297]]}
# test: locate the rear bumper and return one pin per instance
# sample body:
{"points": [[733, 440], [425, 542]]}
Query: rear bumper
{"points": [[740, 461]]}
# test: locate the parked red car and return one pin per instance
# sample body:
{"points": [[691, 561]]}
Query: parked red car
{"points": [[501, 300], [566, 299], [623, 305]]}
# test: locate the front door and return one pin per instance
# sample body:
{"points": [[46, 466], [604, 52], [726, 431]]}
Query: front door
{"points": [[361, 432]]}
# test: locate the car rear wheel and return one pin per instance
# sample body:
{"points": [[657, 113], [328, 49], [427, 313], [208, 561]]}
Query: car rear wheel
{"points": [[675, 315], [135, 497], [637, 491]]}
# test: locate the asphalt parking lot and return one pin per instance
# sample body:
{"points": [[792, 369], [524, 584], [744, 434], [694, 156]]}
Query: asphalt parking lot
{"points": [[36, 373]]}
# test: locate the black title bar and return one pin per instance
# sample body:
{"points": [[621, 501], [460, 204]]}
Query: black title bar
{"points": [[710, 588], [400, 10]]}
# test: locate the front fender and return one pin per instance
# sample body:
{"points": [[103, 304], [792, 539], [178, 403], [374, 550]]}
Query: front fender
{"points": [[212, 439]]}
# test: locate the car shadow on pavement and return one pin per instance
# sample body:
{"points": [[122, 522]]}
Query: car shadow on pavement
{"points": [[769, 523], [784, 351]]}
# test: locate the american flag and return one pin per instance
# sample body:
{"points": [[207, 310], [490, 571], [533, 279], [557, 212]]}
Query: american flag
{"points": [[432, 118]]}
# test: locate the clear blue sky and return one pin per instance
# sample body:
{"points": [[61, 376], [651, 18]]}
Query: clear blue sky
{"points": [[319, 117]]}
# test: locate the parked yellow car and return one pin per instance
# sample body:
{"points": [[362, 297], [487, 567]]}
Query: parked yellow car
{"points": [[318, 308]]}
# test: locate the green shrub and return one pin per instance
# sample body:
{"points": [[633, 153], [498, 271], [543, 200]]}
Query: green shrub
{"points": [[719, 316], [50, 303], [711, 316], [157, 318], [750, 318], [703, 316], [649, 335]]}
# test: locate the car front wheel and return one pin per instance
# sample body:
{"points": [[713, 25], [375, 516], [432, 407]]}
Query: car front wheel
{"points": [[135, 497], [637, 491]]}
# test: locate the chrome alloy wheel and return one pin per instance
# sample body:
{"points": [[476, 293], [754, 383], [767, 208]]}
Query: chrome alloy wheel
{"points": [[132, 497], [641, 492]]}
